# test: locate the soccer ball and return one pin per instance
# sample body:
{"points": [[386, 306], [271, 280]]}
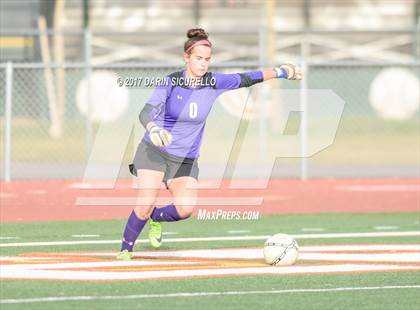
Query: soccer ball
{"points": [[281, 250]]}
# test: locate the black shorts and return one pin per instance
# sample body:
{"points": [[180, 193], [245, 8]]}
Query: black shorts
{"points": [[150, 157]]}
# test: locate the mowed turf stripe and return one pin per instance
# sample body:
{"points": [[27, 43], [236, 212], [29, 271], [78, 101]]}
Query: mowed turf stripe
{"points": [[204, 294], [229, 238]]}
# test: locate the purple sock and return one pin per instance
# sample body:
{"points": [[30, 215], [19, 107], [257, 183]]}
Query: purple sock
{"points": [[165, 214], [132, 231]]}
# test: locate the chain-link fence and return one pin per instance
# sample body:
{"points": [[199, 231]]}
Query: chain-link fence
{"points": [[366, 144], [371, 141]]}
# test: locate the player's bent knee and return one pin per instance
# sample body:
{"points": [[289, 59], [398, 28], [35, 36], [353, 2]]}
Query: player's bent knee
{"points": [[143, 211], [185, 206], [185, 211]]}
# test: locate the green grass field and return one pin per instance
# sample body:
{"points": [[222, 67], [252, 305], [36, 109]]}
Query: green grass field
{"points": [[366, 290]]}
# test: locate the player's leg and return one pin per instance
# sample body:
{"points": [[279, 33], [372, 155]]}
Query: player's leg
{"points": [[182, 183], [184, 193], [148, 185]]}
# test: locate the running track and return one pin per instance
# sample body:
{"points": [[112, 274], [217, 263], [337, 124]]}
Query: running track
{"points": [[56, 200]]}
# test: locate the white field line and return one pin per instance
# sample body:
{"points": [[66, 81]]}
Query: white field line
{"points": [[238, 231], [230, 238], [244, 253], [85, 236], [58, 270], [9, 272], [409, 250], [256, 253], [350, 257], [361, 247], [305, 254], [23, 258], [81, 265], [386, 227], [202, 294]]}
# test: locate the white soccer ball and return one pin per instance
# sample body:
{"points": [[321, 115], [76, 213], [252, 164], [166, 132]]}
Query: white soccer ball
{"points": [[281, 250]]}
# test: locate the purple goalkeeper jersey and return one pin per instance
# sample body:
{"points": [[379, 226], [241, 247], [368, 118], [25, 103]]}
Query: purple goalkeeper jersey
{"points": [[183, 110]]}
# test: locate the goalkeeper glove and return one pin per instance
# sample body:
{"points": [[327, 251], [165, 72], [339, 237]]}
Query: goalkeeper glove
{"points": [[160, 137], [288, 72]]}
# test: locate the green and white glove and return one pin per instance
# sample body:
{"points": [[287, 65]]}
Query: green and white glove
{"points": [[288, 72], [160, 137]]}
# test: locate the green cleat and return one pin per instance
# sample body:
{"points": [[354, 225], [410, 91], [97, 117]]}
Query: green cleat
{"points": [[124, 255], [155, 234]]}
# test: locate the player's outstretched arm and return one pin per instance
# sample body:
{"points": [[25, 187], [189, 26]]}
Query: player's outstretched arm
{"points": [[286, 71], [231, 81]]}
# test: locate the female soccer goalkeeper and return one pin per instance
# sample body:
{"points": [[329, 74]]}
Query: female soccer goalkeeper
{"points": [[174, 118]]}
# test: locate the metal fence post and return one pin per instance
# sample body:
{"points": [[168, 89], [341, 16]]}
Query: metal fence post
{"points": [[262, 95], [304, 108], [8, 123], [88, 73]]}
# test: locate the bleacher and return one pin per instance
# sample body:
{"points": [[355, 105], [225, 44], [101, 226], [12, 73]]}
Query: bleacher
{"points": [[144, 23]]}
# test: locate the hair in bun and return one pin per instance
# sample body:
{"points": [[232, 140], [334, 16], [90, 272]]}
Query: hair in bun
{"points": [[197, 33], [194, 35]]}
